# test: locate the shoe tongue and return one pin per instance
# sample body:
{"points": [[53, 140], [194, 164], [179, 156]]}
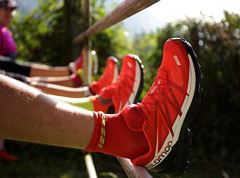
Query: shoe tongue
{"points": [[107, 93], [134, 118]]}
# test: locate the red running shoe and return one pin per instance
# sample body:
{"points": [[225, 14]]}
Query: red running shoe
{"points": [[108, 77], [76, 65], [168, 109], [127, 87], [4, 155]]}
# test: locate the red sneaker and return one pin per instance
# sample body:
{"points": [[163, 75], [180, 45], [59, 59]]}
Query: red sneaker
{"points": [[4, 155], [108, 77], [168, 108], [76, 65], [126, 89]]}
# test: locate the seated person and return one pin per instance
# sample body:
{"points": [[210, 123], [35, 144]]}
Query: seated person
{"points": [[153, 133], [40, 72], [108, 77], [7, 48]]}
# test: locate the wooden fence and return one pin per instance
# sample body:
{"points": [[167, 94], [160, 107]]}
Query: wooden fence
{"points": [[124, 10]]}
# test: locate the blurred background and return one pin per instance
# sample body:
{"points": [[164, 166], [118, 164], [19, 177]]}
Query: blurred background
{"points": [[44, 31]]}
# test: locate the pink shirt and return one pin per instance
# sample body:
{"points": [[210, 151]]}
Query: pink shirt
{"points": [[8, 46]]}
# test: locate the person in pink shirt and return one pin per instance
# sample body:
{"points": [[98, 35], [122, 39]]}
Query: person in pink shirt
{"points": [[7, 44], [8, 49]]}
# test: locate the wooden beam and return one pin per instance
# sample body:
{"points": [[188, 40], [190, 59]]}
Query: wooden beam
{"points": [[124, 10], [90, 166], [87, 65], [133, 171]]}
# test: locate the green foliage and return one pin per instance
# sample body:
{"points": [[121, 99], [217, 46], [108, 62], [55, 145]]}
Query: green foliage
{"points": [[40, 34], [45, 34], [217, 45], [113, 41]]}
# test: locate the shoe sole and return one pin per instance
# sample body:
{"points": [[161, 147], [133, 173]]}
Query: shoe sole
{"points": [[178, 158], [138, 82]]}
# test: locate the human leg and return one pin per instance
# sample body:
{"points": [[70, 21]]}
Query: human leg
{"points": [[66, 81], [33, 70], [108, 77], [151, 133], [45, 71], [39, 119]]}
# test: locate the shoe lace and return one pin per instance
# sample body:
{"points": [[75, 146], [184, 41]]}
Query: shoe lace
{"points": [[162, 88]]}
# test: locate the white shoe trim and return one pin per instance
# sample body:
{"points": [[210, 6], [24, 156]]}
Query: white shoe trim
{"points": [[171, 141], [137, 81], [115, 73]]}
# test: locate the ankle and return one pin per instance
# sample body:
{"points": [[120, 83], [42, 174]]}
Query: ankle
{"points": [[118, 135], [98, 137]]}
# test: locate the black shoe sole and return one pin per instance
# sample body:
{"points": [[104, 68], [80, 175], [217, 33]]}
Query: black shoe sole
{"points": [[176, 163]]}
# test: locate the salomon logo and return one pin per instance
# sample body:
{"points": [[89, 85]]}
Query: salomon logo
{"points": [[176, 60], [162, 156]]}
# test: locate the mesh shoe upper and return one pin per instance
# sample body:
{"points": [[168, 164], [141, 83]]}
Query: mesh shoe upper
{"points": [[108, 77], [128, 84]]}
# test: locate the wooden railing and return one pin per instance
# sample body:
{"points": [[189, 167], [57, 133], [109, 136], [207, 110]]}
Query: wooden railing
{"points": [[124, 10]]}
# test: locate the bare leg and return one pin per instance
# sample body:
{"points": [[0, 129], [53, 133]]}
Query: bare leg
{"points": [[43, 70], [62, 80], [29, 115], [86, 103], [62, 90]]}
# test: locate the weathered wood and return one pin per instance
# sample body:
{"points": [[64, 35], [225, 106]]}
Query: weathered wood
{"points": [[133, 171], [124, 10], [87, 72], [90, 166], [87, 64], [73, 25]]}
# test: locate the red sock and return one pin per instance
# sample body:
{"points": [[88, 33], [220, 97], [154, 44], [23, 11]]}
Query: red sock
{"points": [[123, 134]]}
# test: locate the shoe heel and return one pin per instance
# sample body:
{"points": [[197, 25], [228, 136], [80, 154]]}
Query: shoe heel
{"points": [[177, 161]]}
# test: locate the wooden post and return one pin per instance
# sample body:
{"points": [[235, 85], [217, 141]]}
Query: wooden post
{"points": [[133, 171], [90, 166], [124, 10], [73, 24], [87, 65]]}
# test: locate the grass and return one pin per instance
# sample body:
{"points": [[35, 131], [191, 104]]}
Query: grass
{"points": [[38, 161]]}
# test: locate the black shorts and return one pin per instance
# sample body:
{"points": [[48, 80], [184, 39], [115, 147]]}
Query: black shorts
{"points": [[13, 67], [18, 77]]}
